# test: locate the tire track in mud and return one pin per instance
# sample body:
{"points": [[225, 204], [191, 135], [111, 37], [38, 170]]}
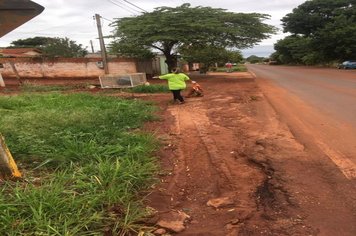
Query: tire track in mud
{"points": [[209, 169], [221, 148]]}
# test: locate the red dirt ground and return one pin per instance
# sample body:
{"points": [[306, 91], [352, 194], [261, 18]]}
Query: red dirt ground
{"points": [[231, 146], [216, 146]]}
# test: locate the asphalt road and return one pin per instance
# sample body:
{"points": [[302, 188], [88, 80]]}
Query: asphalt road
{"points": [[319, 105]]}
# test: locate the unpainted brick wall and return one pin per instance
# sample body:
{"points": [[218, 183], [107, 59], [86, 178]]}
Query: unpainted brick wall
{"points": [[64, 67]]}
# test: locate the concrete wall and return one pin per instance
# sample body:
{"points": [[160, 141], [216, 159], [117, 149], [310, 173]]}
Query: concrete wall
{"points": [[64, 67]]}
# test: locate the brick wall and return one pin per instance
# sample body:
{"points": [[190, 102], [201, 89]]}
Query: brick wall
{"points": [[64, 67]]}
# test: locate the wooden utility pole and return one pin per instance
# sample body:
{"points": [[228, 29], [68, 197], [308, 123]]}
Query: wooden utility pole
{"points": [[92, 47], [102, 45]]}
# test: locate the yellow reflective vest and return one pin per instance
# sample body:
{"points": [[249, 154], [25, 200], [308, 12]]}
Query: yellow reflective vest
{"points": [[175, 81]]}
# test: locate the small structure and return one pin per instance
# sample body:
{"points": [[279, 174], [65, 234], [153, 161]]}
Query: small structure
{"points": [[20, 52], [122, 81]]}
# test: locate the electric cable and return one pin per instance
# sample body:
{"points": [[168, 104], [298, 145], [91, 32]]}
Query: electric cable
{"points": [[131, 11], [135, 5], [107, 19]]}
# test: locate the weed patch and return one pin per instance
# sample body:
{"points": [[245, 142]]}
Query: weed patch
{"points": [[34, 87], [154, 88], [82, 155], [238, 68]]}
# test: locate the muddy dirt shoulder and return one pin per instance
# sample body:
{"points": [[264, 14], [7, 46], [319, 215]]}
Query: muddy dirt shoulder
{"points": [[217, 149]]}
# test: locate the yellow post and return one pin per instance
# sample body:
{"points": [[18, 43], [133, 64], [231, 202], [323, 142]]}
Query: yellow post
{"points": [[2, 83], [8, 167]]}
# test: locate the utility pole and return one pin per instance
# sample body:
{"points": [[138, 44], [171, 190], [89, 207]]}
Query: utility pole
{"points": [[102, 45], [92, 47]]}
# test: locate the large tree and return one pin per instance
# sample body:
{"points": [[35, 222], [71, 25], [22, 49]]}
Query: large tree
{"points": [[312, 15], [322, 31], [295, 49], [166, 29]]}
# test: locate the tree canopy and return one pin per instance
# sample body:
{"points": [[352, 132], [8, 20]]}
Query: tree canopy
{"points": [[53, 47], [166, 29], [322, 31], [36, 42], [64, 47]]}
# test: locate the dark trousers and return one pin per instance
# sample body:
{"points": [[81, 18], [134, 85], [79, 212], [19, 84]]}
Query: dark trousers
{"points": [[177, 96]]}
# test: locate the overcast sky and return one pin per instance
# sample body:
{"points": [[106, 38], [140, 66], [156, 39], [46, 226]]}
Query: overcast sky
{"points": [[74, 18]]}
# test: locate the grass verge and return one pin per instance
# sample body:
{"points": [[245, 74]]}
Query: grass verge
{"points": [[35, 87], [153, 88], [85, 161]]}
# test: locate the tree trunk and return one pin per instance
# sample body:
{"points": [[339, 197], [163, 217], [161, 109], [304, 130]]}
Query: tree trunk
{"points": [[171, 61], [190, 65]]}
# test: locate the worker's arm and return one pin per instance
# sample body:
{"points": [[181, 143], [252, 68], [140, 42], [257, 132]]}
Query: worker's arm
{"points": [[166, 76]]}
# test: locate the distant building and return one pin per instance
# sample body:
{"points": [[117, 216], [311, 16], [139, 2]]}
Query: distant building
{"points": [[20, 52]]}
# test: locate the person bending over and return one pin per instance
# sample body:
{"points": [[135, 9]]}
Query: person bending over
{"points": [[196, 90], [176, 83]]}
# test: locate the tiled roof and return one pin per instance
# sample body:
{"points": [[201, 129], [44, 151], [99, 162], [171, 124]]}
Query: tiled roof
{"points": [[16, 51]]}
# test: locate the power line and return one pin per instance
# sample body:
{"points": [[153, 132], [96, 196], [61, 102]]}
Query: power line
{"points": [[134, 5], [128, 6], [123, 7], [107, 19]]}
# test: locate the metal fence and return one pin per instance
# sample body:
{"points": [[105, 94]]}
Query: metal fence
{"points": [[122, 81]]}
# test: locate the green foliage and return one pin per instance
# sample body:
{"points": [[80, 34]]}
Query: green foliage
{"points": [[313, 15], [337, 40], [166, 28], [33, 87], [153, 88], [323, 31], [36, 42], [64, 47], [83, 164], [293, 49], [209, 55], [238, 68], [125, 48], [53, 47]]}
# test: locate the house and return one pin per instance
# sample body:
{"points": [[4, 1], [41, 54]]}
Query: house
{"points": [[20, 52]]}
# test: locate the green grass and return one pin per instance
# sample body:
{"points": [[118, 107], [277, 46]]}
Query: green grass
{"points": [[153, 88], [85, 161], [33, 87]]}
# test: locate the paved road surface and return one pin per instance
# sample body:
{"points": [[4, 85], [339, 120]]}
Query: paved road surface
{"points": [[319, 104]]}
